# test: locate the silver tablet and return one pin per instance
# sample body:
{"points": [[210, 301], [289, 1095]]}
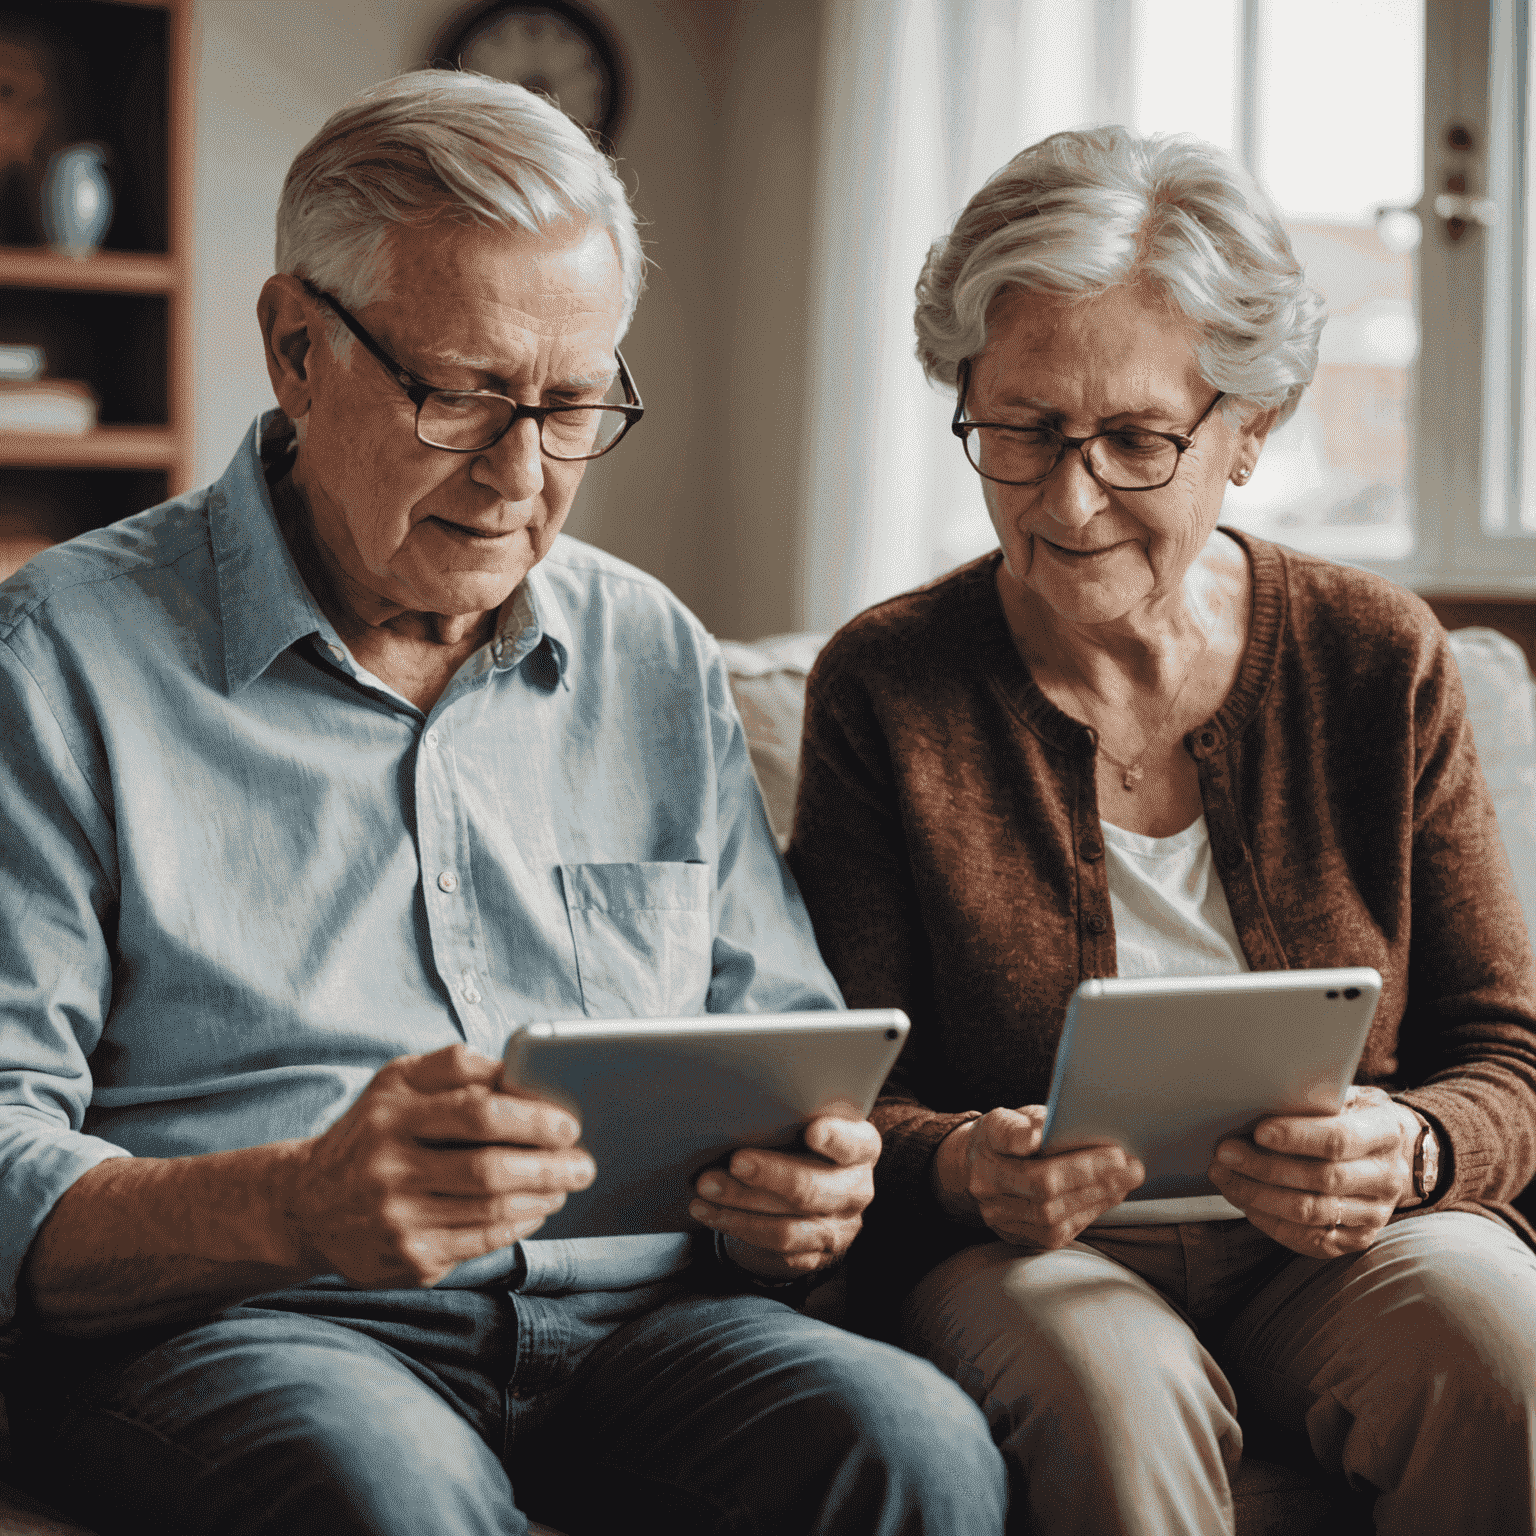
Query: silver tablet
{"points": [[660, 1100], [1170, 1065]]}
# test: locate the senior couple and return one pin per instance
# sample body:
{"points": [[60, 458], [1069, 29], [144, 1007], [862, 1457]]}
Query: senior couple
{"points": [[318, 780]]}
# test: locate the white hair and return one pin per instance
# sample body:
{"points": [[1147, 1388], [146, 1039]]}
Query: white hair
{"points": [[442, 144], [1082, 212]]}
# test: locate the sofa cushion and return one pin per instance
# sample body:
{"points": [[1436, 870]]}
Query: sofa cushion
{"points": [[768, 680], [1501, 704]]}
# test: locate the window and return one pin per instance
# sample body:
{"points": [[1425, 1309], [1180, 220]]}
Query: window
{"points": [[1377, 124]]}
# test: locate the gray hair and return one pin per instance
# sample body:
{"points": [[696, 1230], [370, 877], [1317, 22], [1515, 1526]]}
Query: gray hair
{"points": [[1082, 212], [440, 144]]}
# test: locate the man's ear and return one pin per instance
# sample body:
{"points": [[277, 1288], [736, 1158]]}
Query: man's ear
{"points": [[286, 316]]}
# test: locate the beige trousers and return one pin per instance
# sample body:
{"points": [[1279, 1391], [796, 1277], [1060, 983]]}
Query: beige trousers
{"points": [[1111, 1370]]}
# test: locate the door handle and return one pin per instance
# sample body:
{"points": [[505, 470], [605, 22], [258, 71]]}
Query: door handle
{"points": [[1459, 208]]}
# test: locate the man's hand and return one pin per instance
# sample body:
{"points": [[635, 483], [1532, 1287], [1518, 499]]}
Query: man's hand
{"points": [[1324, 1185], [787, 1214], [988, 1169], [434, 1164]]}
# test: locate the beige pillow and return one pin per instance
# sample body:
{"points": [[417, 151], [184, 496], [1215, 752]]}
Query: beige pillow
{"points": [[1501, 704], [768, 680]]}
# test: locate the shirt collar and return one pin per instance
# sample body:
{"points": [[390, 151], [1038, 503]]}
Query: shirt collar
{"points": [[265, 607], [531, 613]]}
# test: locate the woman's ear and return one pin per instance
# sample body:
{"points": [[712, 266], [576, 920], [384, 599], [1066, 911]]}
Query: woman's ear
{"points": [[1251, 437], [285, 313]]}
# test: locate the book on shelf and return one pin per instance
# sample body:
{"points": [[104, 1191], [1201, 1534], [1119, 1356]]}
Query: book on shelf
{"points": [[47, 405]]}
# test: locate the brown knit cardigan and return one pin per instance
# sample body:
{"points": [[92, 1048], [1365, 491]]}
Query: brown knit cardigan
{"points": [[946, 840]]}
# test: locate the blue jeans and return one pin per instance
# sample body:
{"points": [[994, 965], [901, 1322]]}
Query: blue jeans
{"points": [[330, 1411]]}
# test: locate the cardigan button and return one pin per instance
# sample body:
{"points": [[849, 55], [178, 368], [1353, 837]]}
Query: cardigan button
{"points": [[1097, 923], [1090, 847], [1207, 738]]}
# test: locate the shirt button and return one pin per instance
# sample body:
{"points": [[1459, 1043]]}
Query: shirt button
{"points": [[431, 738], [1090, 847], [1097, 923], [448, 881], [470, 995]]}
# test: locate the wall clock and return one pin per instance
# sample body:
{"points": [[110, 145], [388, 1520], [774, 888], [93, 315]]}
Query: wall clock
{"points": [[552, 46]]}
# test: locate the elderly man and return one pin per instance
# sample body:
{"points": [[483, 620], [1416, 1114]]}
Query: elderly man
{"points": [[314, 783]]}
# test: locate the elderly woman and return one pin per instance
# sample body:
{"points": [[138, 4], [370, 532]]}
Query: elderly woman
{"points": [[1134, 742]]}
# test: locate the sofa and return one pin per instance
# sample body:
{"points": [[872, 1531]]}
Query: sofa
{"points": [[1277, 1489]]}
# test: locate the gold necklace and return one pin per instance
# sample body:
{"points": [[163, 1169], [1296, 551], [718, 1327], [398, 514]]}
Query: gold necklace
{"points": [[1132, 773]]}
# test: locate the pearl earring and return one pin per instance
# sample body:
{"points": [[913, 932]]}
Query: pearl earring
{"points": [[1240, 477]]}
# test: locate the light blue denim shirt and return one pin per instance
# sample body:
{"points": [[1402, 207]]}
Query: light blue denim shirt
{"points": [[240, 873]]}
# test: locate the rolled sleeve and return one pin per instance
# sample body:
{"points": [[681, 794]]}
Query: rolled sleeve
{"points": [[56, 897]]}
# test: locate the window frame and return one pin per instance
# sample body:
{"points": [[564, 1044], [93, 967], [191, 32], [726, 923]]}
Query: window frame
{"points": [[1465, 470]]}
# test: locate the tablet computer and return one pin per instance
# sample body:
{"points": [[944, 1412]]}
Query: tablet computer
{"points": [[661, 1100], [1168, 1066]]}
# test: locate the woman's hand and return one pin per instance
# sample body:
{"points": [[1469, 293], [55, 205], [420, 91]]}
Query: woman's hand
{"points": [[1324, 1185], [989, 1169]]}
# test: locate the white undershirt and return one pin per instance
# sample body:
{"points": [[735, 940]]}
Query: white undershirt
{"points": [[1170, 913], [1171, 919]]}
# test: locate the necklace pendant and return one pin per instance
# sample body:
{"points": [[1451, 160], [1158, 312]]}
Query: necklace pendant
{"points": [[1133, 776]]}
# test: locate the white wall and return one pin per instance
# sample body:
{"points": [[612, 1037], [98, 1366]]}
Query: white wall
{"points": [[268, 72], [717, 150]]}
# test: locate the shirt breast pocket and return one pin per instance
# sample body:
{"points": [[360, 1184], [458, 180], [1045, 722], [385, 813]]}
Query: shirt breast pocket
{"points": [[642, 934]]}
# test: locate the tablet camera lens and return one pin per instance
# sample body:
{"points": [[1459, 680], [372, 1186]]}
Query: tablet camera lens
{"points": [[1330, 994], [1351, 993], [890, 1034]]}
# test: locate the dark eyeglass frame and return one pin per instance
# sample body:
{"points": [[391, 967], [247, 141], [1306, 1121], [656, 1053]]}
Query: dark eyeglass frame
{"points": [[1182, 441], [418, 391]]}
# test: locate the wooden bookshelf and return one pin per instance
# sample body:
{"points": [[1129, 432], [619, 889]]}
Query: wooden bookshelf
{"points": [[28, 266], [119, 319], [135, 447]]}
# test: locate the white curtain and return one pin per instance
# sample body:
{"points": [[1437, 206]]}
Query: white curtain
{"points": [[921, 100]]}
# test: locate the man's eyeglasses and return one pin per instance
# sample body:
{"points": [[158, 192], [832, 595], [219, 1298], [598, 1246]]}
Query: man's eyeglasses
{"points": [[472, 420], [1127, 459]]}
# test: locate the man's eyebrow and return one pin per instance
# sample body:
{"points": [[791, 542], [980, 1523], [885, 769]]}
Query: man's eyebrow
{"points": [[491, 366], [588, 381], [462, 360]]}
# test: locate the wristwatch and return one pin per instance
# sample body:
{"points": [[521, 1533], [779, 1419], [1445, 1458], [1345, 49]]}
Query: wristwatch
{"points": [[1426, 1161], [1426, 1158], [793, 1291]]}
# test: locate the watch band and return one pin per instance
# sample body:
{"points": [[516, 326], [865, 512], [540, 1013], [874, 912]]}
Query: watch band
{"points": [[1426, 1160], [793, 1290], [1426, 1157]]}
